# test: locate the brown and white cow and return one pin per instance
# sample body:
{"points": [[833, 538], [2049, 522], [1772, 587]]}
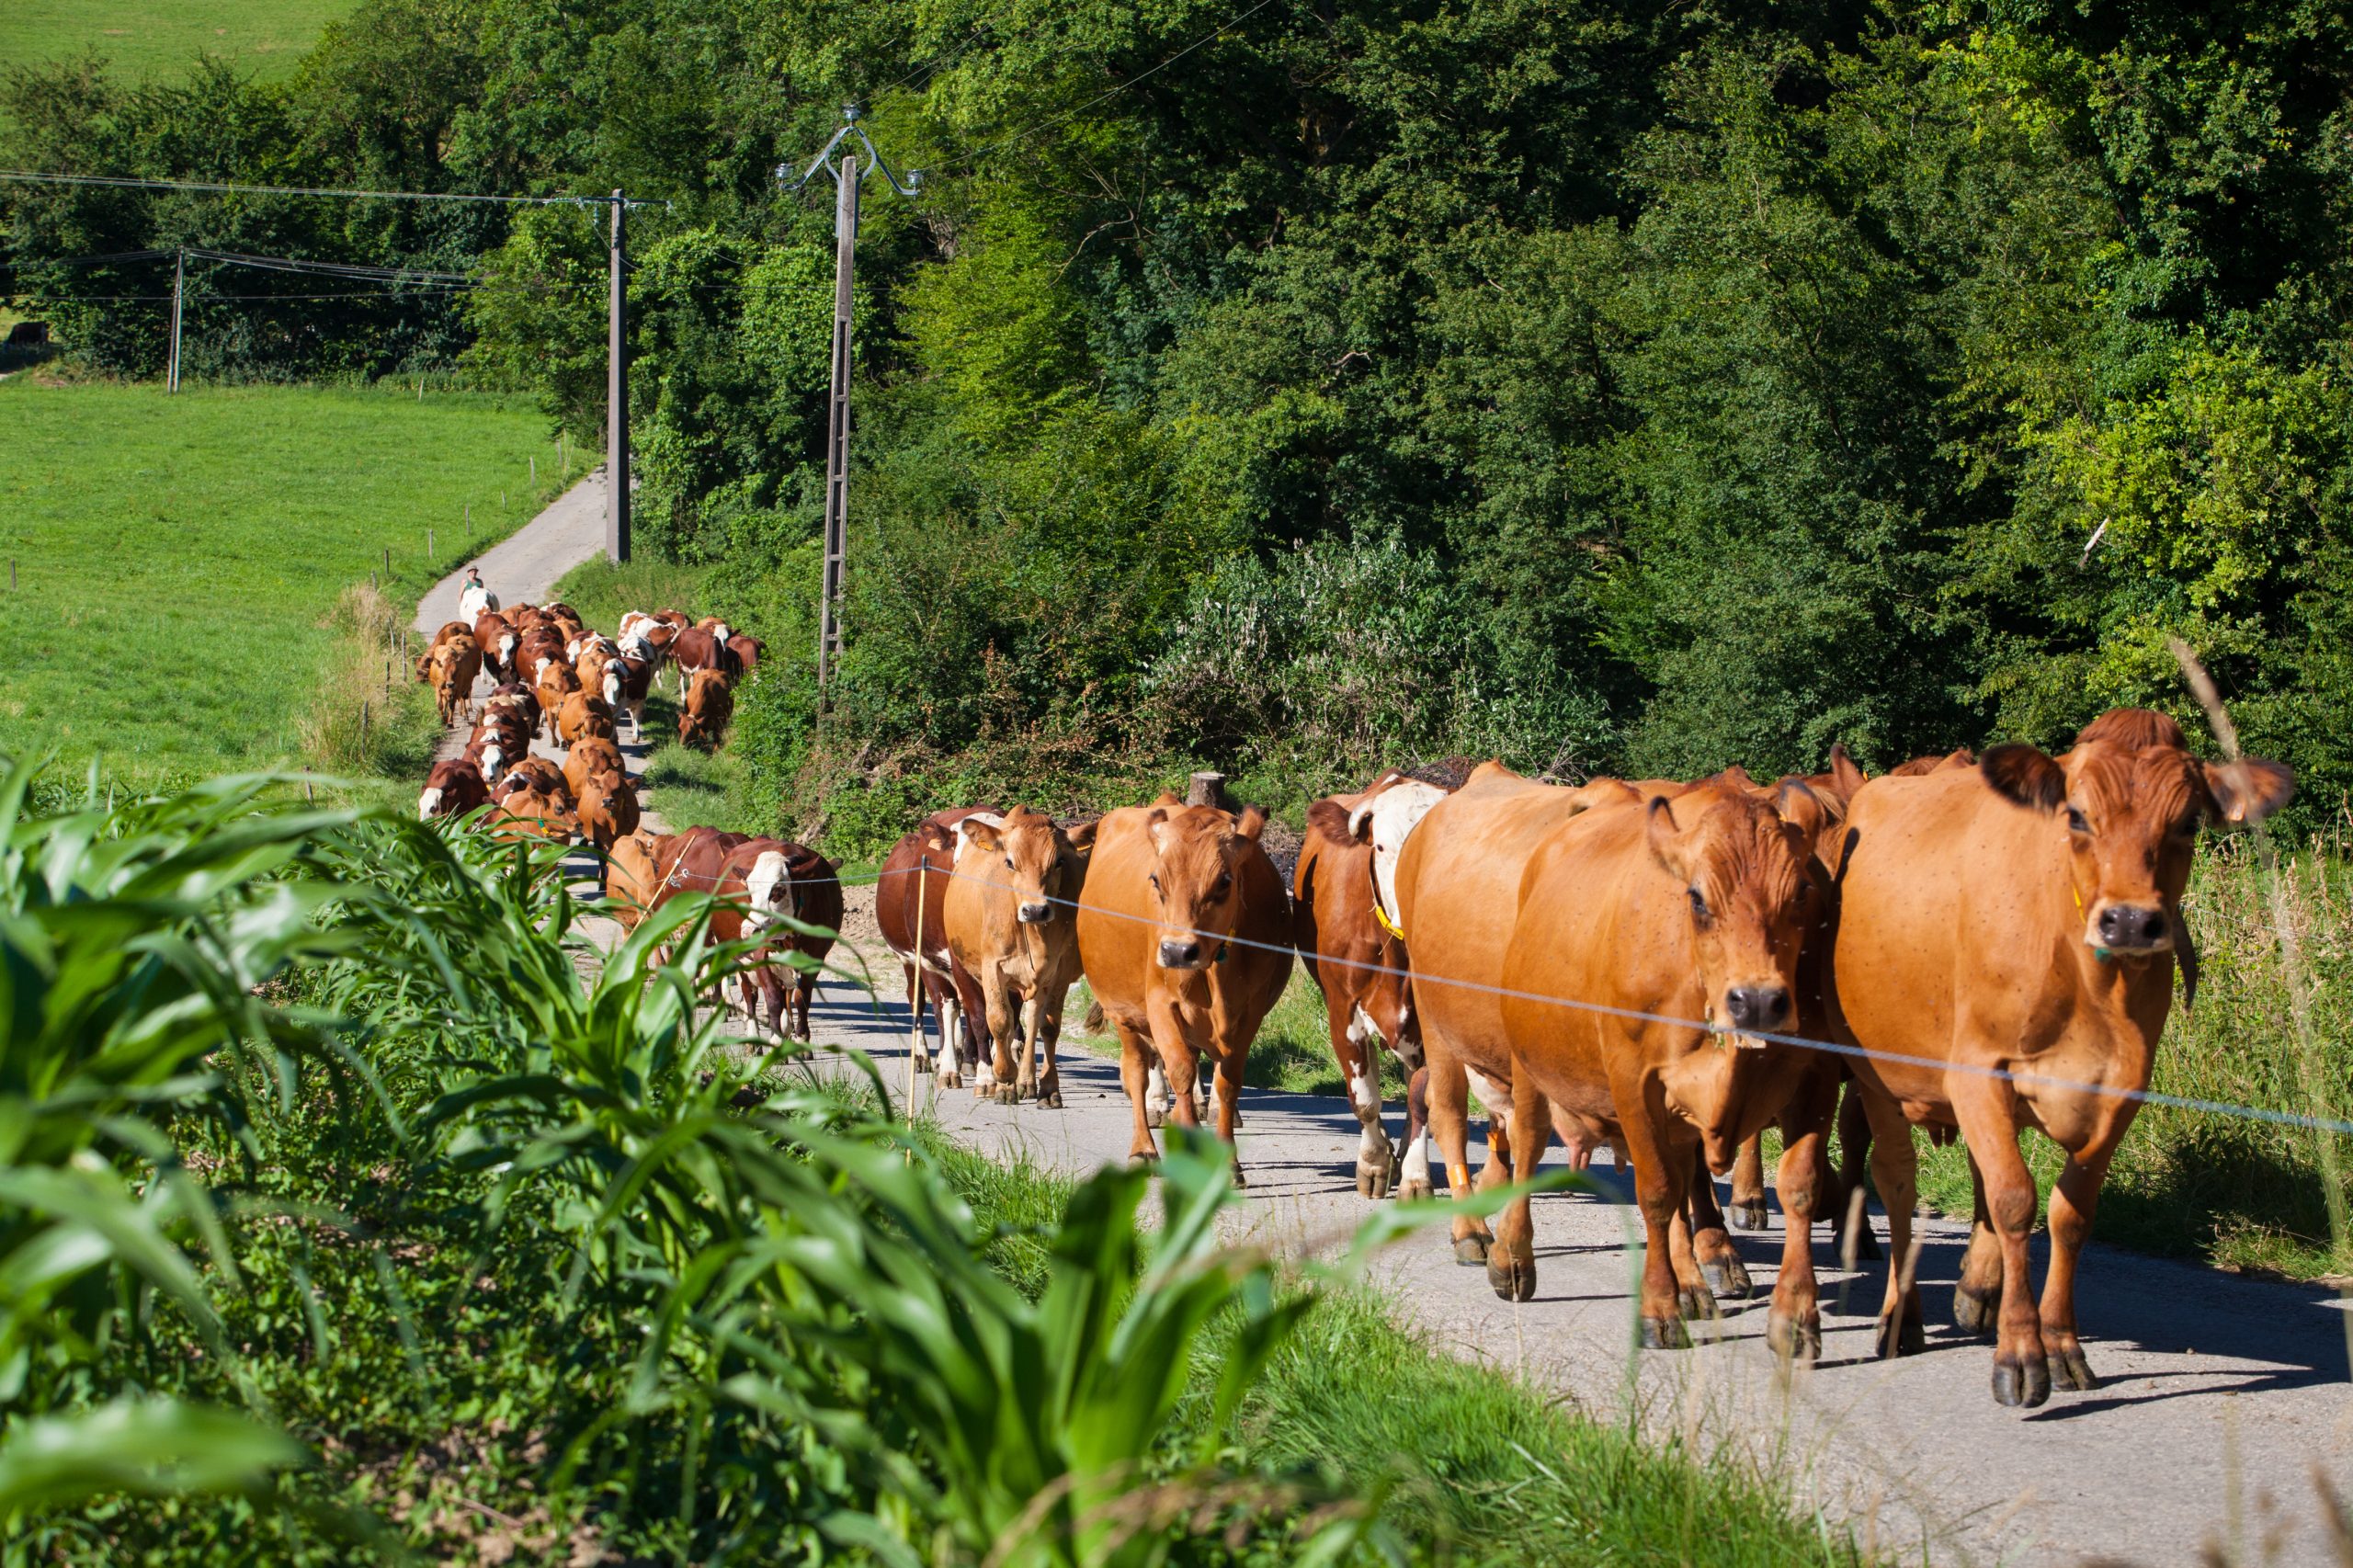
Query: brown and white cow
{"points": [[499, 640], [593, 755], [760, 884], [1185, 938], [552, 681], [538, 775], [1012, 922], [528, 814], [2021, 917], [706, 712], [636, 684], [909, 892], [451, 790], [1350, 944], [597, 663], [697, 650]]}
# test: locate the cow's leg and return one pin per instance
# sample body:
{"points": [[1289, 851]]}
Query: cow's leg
{"points": [[1511, 1264], [951, 1035], [1977, 1295], [804, 996], [1854, 1159], [1024, 1074], [2073, 1203], [994, 1080], [1136, 1060], [918, 992], [1361, 1064], [1659, 1183], [1049, 1034], [1229, 1106], [1793, 1325], [1895, 1171], [1180, 1058], [1450, 1125], [1747, 1211], [1693, 1297], [1719, 1264], [1985, 1109], [1155, 1108], [1413, 1172], [973, 1009]]}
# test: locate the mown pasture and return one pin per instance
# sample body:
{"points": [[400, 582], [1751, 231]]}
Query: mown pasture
{"points": [[179, 559], [146, 42]]}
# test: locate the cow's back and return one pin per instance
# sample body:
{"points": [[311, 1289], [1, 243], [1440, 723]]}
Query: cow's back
{"points": [[1946, 899], [1458, 894]]}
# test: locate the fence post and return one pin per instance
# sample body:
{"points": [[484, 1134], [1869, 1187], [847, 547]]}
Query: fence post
{"points": [[1206, 789], [179, 272]]}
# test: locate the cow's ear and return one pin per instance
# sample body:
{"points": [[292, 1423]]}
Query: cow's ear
{"points": [[1156, 823], [2022, 775], [1334, 821], [1602, 792], [1253, 823], [1082, 838], [1802, 810], [1736, 776], [1845, 777], [2248, 789], [981, 835], [1360, 823], [1667, 841]]}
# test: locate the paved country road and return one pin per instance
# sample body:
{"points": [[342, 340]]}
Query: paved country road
{"points": [[2220, 1395]]}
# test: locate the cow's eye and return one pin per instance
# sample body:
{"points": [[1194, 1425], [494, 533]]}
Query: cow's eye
{"points": [[1225, 886], [2187, 827], [1698, 908], [2075, 822], [1154, 879], [1009, 862]]}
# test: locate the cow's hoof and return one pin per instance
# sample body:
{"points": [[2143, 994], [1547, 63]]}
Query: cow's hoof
{"points": [[2069, 1370], [2020, 1384], [1973, 1312], [1240, 1181], [1666, 1334], [1052, 1099], [1471, 1252], [1025, 1089], [1746, 1214], [1514, 1278], [1407, 1191], [1396, 1170], [1154, 1116], [951, 1079], [1901, 1336], [1794, 1339], [1695, 1301], [1372, 1181], [923, 1063], [1727, 1277]]}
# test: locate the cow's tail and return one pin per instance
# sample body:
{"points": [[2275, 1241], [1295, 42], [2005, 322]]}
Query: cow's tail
{"points": [[1096, 1021]]}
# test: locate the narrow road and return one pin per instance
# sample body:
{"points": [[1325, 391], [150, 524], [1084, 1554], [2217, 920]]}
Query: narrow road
{"points": [[2221, 1398]]}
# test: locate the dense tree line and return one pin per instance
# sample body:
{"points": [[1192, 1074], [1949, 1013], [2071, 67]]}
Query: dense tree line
{"points": [[1605, 385]]}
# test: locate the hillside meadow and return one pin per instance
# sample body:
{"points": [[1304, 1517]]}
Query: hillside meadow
{"points": [[182, 563], [146, 42]]}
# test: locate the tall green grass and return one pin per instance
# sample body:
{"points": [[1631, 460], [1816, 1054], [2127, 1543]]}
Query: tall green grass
{"points": [[2242, 1193], [162, 39]]}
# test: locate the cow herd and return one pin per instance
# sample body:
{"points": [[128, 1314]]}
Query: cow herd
{"points": [[1982, 945]]}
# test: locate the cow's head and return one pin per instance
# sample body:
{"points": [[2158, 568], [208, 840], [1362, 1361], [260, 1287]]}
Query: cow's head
{"points": [[1044, 866], [1385, 818], [2131, 798], [1742, 858], [1196, 877], [767, 888]]}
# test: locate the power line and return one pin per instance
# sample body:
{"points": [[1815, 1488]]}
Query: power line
{"points": [[128, 183]]}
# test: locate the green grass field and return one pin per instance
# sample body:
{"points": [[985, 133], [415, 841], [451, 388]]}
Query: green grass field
{"points": [[179, 559], [268, 38]]}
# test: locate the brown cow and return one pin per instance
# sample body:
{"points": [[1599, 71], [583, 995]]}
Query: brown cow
{"points": [[634, 869], [636, 684], [582, 716], [455, 664], [449, 630], [528, 813], [913, 887], [591, 756], [704, 716], [597, 663], [451, 790], [759, 882], [2023, 917], [609, 810], [745, 651], [698, 649], [1012, 920], [555, 681], [1185, 939], [1348, 944], [498, 638], [538, 775], [514, 699]]}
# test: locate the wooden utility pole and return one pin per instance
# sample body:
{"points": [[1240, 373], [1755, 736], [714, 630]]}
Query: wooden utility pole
{"points": [[179, 275], [617, 392], [829, 633]]}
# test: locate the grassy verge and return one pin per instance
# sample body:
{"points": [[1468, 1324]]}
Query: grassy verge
{"points": [[2241, 1193], [1478, 1466], [181, 560]]}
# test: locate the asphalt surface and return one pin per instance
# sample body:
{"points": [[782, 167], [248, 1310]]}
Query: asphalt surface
{"points": [[2223, 1397], [525, 567]]}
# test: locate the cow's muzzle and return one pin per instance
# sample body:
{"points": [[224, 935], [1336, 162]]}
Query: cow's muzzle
{"points": [[1038, 914], [1757, 1006], [1175, 954], [2132, 928]]}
